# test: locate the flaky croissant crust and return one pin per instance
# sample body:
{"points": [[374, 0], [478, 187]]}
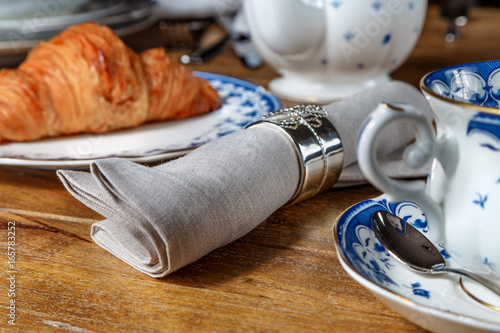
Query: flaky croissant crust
{"points": [[87, 80]]}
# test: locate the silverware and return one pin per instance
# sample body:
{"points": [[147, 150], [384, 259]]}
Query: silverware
{"points": [[203, 54], [455, 12], [231, 20], [188, 35], [412, 248], [244, 49]]}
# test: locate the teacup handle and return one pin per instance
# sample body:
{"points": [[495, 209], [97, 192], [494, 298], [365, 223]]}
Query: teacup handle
{"points": [[425, 148]]}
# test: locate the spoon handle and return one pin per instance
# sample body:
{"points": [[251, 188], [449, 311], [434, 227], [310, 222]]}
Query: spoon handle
{"points": [[485, 282]]}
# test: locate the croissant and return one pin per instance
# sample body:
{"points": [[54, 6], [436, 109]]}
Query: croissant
{"points": [[87, 80]]}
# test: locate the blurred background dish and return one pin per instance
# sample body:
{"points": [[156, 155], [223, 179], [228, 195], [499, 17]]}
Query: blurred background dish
{"points": [[46, 19], [328, 50], [25, 8], [190, 9]]}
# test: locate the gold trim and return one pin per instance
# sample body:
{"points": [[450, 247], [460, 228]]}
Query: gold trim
{"points": [[477, 299], [429, 91], [392, 106]]}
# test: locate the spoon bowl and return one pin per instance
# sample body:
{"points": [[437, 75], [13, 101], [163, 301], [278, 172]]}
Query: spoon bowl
{"points": [[409, 246]]}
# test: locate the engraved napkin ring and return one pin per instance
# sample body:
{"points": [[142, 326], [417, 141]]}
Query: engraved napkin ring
{"points": [[317, 143]]}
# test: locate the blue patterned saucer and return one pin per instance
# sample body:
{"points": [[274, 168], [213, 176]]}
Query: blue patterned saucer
{"points": [[434, 302]]}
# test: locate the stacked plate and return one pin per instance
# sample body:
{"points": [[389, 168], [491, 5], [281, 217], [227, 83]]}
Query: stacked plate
{"points": [[24, 23]]}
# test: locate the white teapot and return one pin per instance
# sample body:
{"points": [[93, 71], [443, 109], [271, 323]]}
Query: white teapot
{"points": [[329, 49]]}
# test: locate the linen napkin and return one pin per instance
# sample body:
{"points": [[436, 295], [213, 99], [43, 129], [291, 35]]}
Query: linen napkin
{"points": [[159, 219]]}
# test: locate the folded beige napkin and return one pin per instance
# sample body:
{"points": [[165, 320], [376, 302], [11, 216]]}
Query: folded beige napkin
{"points": [[159, 219]]}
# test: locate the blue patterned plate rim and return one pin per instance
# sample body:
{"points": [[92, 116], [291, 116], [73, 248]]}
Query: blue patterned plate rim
{"points": [[369, 263], [242, 103], [493, 65]]}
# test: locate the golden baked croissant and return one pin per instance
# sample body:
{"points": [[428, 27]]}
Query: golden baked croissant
{"points": [[87, 80]]}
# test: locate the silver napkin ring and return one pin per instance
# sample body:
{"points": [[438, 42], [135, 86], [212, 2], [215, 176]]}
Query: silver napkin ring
{"points": [[317, 143]]}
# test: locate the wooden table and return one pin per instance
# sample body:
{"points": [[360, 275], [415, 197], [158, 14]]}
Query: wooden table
{"points": [[282, 277]]}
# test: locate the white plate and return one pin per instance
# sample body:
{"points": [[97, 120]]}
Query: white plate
{"points": [[434, 302], [242, 103]]}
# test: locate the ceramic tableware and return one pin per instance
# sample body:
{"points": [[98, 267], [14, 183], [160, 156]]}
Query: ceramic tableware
{"points": [[435, 302], [462, 194], [329, 49], [243, 102]]}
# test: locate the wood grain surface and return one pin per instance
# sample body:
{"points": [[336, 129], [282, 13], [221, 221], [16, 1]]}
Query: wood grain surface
{"points": [[284, 276]]}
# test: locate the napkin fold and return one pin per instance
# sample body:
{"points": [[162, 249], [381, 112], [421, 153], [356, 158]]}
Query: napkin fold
{"points": [[159, 219]]}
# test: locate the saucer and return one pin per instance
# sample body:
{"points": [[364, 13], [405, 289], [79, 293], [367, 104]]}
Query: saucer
{"points": [[438, 303]]}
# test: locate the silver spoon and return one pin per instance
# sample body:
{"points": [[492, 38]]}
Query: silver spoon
{"points": [[412, 248]]}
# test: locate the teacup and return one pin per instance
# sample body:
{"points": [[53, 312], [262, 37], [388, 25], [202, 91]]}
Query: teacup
{"points": [[329, 49], [461, 197]]}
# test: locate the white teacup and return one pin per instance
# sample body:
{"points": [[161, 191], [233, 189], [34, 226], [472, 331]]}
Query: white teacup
{"points": [[329, 49], [461, 197]]}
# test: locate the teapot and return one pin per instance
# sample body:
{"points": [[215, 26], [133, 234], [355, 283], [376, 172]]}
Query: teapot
{"points": [[329, 49]]}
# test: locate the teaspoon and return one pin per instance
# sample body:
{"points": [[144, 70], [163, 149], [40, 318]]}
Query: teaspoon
{"points": [[412, 248]]}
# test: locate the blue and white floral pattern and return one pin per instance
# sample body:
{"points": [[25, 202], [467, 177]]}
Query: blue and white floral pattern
{"points": [[476, 83], [433, 299], [364, 251]]}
